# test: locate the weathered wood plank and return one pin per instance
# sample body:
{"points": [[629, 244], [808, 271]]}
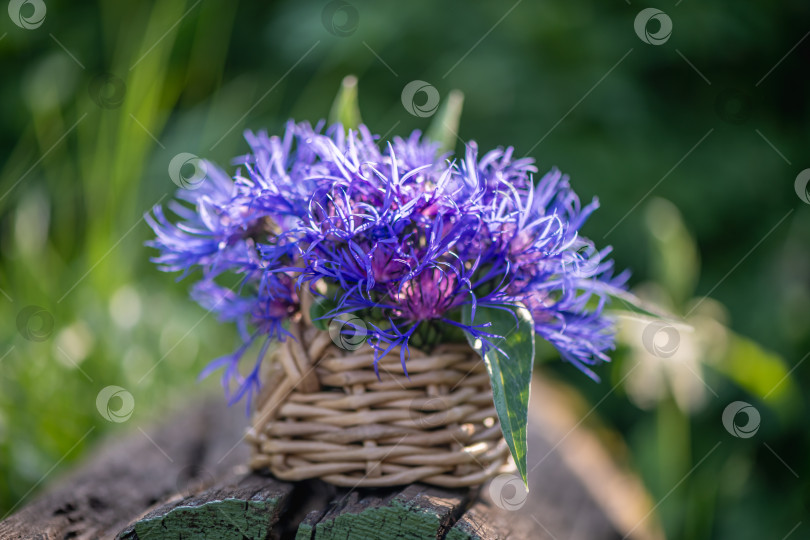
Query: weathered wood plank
{"points": [[249, 508], [130, 487], [306, 529], [578, 486], [484, 522], [127, 475], [415, 512], [258, 507]]}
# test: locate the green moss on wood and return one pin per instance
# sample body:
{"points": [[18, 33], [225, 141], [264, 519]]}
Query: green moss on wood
{"points": [[305, 531], [224, 519], [462, 532], [398, 520]]}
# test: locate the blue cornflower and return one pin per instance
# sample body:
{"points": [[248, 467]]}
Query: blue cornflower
{"points": [[396, 234]]}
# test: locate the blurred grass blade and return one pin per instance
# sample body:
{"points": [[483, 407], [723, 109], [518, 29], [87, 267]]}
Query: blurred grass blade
{"points": [[444, 127], [346, 108], [761, 372], [674, 255]]}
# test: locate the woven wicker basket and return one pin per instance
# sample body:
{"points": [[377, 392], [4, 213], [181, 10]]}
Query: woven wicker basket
{"points": [[324, 413]]}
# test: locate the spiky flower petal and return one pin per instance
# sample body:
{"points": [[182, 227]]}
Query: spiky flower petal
{"points": [[397, 235]]}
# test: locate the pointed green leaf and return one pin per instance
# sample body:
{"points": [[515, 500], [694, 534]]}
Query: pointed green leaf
{"points": [[509, 374], [444, 127], [320, 307], [346, 108]]}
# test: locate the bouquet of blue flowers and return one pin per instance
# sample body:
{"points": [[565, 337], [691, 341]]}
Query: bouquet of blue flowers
{"points": [[417, 246]]}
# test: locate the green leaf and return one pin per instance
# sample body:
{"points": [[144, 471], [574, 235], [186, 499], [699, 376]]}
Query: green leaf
{"points": [[444, 127], [509, 374], [320, 307], [346, 108]]}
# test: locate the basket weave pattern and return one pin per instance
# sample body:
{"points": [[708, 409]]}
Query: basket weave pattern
{"points": [[324, 413]]}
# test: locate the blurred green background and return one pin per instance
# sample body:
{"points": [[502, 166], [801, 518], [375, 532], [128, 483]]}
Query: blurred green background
{"points": [[692, 146]]}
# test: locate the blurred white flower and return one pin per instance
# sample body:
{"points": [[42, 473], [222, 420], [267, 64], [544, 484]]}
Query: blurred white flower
{"points": [[667, 358]]}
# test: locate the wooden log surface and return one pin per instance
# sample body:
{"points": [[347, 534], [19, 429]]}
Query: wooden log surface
{"points": [[187, 479], [126, 475]]}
